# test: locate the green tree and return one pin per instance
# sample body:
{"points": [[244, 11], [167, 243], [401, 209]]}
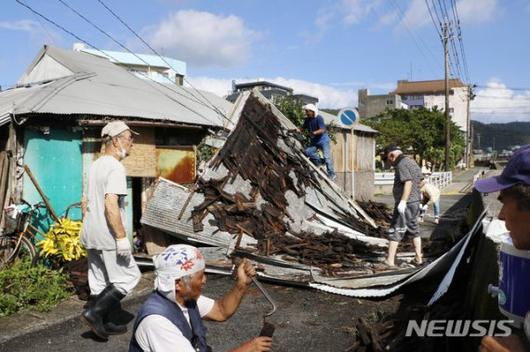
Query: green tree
{"points": [[420, 132], [291, 107]]}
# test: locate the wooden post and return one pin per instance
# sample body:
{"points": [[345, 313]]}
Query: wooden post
{"points": [[43, 196]]}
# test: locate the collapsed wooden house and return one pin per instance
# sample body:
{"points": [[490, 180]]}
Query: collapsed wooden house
{"points": [[261, 198]]}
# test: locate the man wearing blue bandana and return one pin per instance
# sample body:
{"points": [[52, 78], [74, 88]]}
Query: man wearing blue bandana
{"points": [[171, 318]]}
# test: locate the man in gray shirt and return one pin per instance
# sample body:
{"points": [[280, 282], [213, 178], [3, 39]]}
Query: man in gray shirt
{"points": [[112, 271], [407, 196]]}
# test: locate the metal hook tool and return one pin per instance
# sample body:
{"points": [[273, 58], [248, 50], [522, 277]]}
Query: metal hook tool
{"points": [[266, 294]]}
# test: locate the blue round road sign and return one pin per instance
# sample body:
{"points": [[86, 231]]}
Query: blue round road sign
{"points": [[348, 116]]}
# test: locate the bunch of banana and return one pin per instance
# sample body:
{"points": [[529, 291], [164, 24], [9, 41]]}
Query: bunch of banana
{"points": [[62, 240]]}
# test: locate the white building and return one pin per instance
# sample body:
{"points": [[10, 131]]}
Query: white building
{"points": [[427, 94], [161, 69], [431, 94]]}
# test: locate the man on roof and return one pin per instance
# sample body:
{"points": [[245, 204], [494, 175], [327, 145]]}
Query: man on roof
{"points": [[314, 125]]}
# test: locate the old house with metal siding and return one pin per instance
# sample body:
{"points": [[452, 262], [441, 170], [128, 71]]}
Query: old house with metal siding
{"points": [[53, 118]]}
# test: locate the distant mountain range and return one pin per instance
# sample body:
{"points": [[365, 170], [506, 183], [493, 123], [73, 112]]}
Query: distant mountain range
{"points": [[500, 136]]}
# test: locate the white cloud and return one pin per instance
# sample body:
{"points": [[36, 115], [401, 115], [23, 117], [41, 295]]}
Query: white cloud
{"points": [[477, 11], [322, 23], [202, 38], [498, 103], [221, 87], [389, 18], [355, 10], [348, 11], [469, 11], [417, 15], [21, 25], [38, 32], [383, 86], [329, 96]]}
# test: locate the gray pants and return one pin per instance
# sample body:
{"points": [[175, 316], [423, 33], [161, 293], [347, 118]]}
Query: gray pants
{"points": [[405, 222], [106, 267]]}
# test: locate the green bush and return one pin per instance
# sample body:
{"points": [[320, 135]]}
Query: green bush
{"points": [[37, 288]]}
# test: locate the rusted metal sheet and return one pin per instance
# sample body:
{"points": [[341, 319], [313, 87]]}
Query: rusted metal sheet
{"points": [[177, 164]]}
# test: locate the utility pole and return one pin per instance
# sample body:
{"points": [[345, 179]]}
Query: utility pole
{"points": [[447, 116], [469, 141]]}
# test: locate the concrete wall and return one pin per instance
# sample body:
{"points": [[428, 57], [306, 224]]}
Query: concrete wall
{"points": [[372, 105]]}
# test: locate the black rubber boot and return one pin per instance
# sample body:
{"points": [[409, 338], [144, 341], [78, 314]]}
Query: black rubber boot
{"points": [[96, 312], [114, 329], [90, 301], [112, 325]]}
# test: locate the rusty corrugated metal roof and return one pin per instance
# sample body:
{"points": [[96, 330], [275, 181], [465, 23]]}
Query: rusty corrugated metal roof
{"points": [[433, 86]]}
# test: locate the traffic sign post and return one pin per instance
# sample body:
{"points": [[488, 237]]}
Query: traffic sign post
{"points": [[350, 117]]}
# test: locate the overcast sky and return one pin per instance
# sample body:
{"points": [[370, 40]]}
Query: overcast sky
{"points": [[328, 49]]}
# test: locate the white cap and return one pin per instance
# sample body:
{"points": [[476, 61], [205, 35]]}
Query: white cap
{"points": [[114, 128], [311, 107], [174, 262]]}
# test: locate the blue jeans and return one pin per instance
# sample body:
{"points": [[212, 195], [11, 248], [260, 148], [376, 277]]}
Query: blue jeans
{"points": [[311, 153], [436, 207]]}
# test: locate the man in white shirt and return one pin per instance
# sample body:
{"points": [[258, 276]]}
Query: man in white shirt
{"points": [[171, 318], [112, 271]]}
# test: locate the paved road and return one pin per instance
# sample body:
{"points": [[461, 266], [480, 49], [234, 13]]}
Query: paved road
{"points": [[306, 320]]}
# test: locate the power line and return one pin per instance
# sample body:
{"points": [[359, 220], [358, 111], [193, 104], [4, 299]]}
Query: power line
{"points": [[515, 98], [160, 56], [461, 41], [118, 43], [45, 29], [106, 54], [432, 18], [453, 61], [500, 88], [416, 41], [447, 13]]}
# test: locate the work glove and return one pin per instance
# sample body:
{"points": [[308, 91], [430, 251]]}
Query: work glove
{"points": [[402, 206], [123, 247]]}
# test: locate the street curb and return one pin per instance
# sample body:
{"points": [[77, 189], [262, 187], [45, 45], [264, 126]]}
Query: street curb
{"points": [[24, 323]]}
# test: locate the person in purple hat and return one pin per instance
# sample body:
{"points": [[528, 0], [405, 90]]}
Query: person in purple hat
{"points": [[514, 186]]}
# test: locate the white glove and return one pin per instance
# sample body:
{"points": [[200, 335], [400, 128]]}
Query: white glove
{"points": [[402, 206], [123, 247], [424, 207]]}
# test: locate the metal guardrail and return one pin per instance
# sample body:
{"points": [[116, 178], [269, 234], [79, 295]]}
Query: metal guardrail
{"points": [[439, 179]]}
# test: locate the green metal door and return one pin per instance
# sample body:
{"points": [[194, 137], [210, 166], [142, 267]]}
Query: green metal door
{"points": [[55, 160]]}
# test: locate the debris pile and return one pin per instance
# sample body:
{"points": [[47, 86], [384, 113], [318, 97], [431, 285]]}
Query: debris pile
{"points": [[377, 337], [330, 251], [377, 211], [260, 152]]}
